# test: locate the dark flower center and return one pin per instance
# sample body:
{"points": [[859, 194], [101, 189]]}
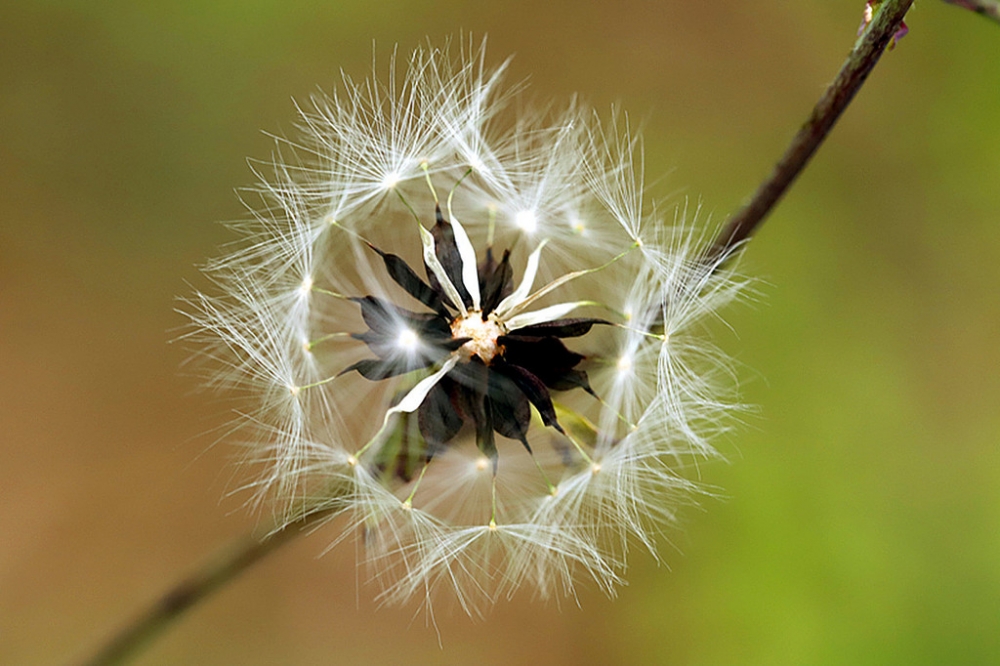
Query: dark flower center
{"points": [[501, 373], [482, 335]]}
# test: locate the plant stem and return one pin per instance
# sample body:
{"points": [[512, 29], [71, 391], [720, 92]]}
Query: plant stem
{"points": [[236, 558], [988, 8], [869, 46]]}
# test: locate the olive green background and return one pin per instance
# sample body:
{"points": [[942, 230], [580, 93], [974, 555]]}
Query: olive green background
{"points": [[859, 513]]}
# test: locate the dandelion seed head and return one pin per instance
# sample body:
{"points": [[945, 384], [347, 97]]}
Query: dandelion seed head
{"points": [[478, 381]]}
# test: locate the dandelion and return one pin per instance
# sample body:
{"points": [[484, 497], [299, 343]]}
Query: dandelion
{"points": [[465, 334]]}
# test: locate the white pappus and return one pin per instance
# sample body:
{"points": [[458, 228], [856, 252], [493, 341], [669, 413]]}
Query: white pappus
{"points": [[462, 330]]}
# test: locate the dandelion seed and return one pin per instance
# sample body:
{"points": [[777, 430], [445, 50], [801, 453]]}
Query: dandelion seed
{"points": [[624, 364], [489, 405], [527, 220], [408, 340], [390, 180]]}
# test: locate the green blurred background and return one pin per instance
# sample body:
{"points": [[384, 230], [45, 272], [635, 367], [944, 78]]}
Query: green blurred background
{"points": [[859, 522]]}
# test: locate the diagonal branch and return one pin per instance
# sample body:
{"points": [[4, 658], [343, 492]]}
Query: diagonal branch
{"points": [[988, 8], [869, 46], [234, 560]]}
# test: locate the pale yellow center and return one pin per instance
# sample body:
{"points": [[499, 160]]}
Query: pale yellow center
{"points": [[483, 334]]}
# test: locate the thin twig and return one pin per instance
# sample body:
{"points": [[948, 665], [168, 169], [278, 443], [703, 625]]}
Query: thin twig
{"points": [[235, 559], [988, 8], [838, 95]]}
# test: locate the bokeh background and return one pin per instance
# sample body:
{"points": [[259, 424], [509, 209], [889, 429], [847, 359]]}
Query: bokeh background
{"points": [[859, 520]]}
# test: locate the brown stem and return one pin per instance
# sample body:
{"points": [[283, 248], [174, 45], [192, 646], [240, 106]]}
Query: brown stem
{"points": [[988, 8], [838, 95], [235, 559]]}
